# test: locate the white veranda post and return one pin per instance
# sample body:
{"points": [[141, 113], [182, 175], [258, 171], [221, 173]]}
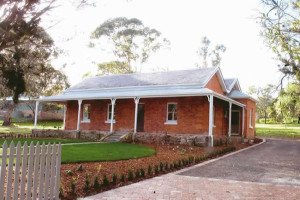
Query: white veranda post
{"points": [[36, 113], [79, 114], [229, 120], [65, 112], [136, 101], [211, 119], [113, 101], [243, 121]]}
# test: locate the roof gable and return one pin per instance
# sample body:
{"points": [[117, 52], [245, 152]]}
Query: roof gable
{"points": [[232, 83]]}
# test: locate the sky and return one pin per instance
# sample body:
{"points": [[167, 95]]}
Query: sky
{"points": [[233, 23]]}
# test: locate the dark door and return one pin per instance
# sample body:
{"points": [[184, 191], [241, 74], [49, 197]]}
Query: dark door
{"points": [[140, 118], [235, 122]]}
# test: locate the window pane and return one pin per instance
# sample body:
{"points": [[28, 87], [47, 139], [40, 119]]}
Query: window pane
{"points": [[86, 112], [175, 116], [170, 116]]}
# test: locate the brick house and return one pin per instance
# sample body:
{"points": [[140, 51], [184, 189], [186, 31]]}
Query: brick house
{"points": [[197, 102]]}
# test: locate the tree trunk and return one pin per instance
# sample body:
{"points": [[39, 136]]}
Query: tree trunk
{"points": [[7, 117], [265, 117], [298, 119]]}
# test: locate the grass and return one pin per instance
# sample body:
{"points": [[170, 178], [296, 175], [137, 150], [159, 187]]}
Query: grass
{"points": [[104, 152], [278, 130], [25, 127]]}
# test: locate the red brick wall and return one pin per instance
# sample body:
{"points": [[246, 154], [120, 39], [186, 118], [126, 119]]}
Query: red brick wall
{"points": [[192, 115], [214, 84], [249, 132]]}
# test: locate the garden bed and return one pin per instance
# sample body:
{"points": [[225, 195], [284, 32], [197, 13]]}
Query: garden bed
{"points": [[78, 180]]}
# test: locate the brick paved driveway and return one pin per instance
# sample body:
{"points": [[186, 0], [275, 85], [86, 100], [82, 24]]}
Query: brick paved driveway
{"points": [[268, 171]]}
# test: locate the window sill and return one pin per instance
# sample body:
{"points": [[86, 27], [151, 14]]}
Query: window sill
{"points": [[86, 121], [171, 123], [109, 121]]}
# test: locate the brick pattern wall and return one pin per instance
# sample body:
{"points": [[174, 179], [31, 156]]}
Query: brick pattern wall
{"points": [[192, 115], [214, 85], [249, 132]]}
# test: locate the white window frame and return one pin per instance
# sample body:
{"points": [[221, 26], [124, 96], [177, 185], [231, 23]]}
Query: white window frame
{"points": [[171, 122], [84, 119], [250, 119], [107, 114]]}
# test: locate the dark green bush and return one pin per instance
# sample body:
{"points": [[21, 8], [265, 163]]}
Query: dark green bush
{"points": [[156, 169], [122, 178], [142, 172], [137, 173], [161, 167], [87, 183], [149, 170], [130, 175], [105, 181], [96, 183], [114, 179]]}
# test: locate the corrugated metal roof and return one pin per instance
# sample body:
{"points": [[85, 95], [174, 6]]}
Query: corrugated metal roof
{"points": [[236, 94], [228, 82], [182, 77]]}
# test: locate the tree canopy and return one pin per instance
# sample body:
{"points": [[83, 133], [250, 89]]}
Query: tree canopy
{"points": [[132, 42], [280, 20], [210, 56]]}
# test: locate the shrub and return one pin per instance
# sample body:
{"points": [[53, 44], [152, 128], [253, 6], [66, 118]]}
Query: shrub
{"points": [[161, 167], [137, 173], [191, 159], [166, 167], [130, 175], [69, 172], [179, 164], [122, 178], [96, 183], [114, 179], [80, 168], [73, 186], [175, 165], [87, 183], [105, 181], [156, 169], [61, 192], [149, 170], [142, 172], [171, 166]]}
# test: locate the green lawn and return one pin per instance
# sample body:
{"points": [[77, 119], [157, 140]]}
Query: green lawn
{"points": [[104, 152], [25, 127], [278, 130]]}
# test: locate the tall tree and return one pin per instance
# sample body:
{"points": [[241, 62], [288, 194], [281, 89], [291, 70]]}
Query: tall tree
{"points": [[280, 20], [132, 42], [264, 100], [287, 105], [206, 52]]}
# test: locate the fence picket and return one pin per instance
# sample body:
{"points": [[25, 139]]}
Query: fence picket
{"points": [[48, 160], [29, 174], [57, 175], [17, 171], [35, 170], [42, 172], [24, 170], [10, 170], [52, 170], [3, 169]]}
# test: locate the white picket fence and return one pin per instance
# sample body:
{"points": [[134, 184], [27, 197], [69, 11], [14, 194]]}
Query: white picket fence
{"points": [[30, 172]]}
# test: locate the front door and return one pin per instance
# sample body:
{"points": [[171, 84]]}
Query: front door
{"points": [[235, 122], [140, 118]]}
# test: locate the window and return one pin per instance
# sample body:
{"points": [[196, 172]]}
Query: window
{"points": [[86, 113], [171, 113], [109, 111], [250, 118]]}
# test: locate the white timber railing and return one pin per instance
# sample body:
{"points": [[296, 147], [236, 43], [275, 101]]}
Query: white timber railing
{"points": [[30, 172]]}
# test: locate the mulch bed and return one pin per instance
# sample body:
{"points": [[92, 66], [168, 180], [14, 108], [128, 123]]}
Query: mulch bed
{"points": [[81, 176]]}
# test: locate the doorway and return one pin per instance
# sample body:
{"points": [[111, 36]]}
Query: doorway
{"points": [[235, 122], [140, 117]]}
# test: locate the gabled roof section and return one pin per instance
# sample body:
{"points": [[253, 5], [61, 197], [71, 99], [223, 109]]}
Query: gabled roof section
{"points": [[232, 83], [197, 77], [236, 94], [220, 77]]}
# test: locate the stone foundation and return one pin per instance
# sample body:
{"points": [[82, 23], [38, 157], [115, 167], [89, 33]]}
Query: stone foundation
{"points": [[85, 135], [174, 139]]}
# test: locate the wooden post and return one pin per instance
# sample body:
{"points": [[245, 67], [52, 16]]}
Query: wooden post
{"points": [[36, 113], [229, 120], [136, 101], [113, 101], [79, 114], [211, 119], [243, 122]]}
